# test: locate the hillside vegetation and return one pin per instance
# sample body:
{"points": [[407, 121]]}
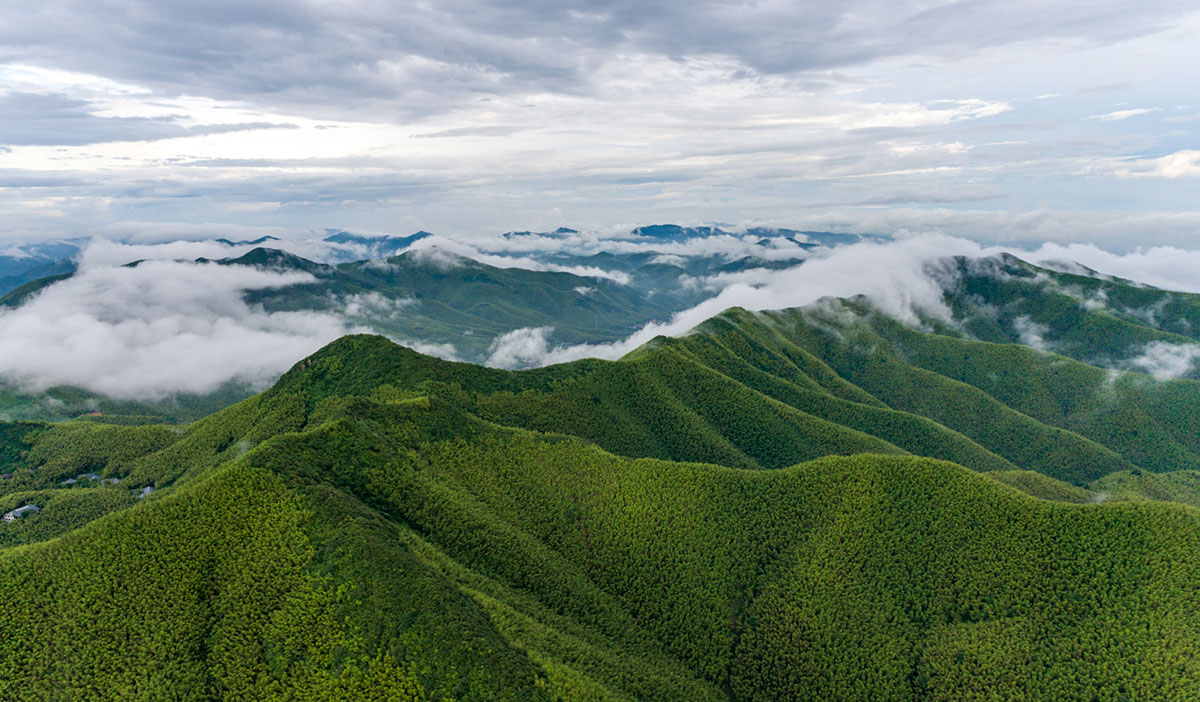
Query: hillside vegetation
{"points": [[809, 504]]}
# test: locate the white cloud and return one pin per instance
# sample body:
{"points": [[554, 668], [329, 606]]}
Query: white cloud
{"points": [[448, 253], [1123, 114], [439, 257], [1165, 360], [156, 329], [520, 348], [893, 275], [1165, 267], [444, 351], [374, 305], [1031, 333], [1180, 164], [168, 326], [898, 277]]}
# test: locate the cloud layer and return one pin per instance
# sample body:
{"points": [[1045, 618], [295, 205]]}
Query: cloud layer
{"points": [[168, 326], [980, 119], [157, 329], [895, 276]]}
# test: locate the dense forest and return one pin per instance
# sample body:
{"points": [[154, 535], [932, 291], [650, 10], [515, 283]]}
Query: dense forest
{"points": [[819, 503]]}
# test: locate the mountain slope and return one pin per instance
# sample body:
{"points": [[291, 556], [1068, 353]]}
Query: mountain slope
{"points": [[806, 504], [310, 543]]}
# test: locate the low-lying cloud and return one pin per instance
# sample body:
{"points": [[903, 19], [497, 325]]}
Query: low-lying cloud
{"points": [[520, 348], [1165, 360], [893, 275], [171, 326], [157, 329]]}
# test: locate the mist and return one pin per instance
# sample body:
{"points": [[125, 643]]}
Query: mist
{"points": [[170, 326], [156, 329]]}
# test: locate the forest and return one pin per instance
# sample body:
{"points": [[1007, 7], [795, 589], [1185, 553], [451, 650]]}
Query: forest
{"points": [[819, 503]]}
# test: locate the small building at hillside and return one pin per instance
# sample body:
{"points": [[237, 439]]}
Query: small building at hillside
{"points": [[19, 512]]}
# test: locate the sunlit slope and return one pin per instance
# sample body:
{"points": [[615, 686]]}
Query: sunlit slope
{"points": [[1083, 314], [313, 544], [772, 389], [1148, 422]]}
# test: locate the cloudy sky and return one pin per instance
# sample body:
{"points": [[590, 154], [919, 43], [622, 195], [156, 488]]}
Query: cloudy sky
{"points": [[1000, 121]]}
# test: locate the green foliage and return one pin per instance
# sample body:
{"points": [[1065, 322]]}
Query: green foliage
{"points": [[1040, 486], [729, 515], [14, 444], [1179, 486], [438, 296]]}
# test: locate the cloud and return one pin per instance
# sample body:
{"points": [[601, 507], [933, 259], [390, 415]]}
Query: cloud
{"points": [[1031, 333], [353, 56], [58, 119], [372, 305], [1180, 164], [894, 276], [444, 351], [169, 326], [157, 329], [489, 130], [520, 348], [1123, 114], [731, 245], [1166, 267], [898, 277], [1165, 360], [458, 114], [448, 254]]}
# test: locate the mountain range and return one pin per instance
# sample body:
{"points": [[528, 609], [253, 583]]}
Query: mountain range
{"points": [[993, 498], [430, 297]]}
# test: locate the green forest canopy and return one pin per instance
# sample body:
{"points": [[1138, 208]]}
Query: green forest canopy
{"points": [[808, 504]]}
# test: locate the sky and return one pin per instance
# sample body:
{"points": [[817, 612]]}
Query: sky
{"points": [[1000, 122]]}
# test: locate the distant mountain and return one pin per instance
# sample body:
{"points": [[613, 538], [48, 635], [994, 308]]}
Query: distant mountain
{"points": [[430, 298], [22, 264], [356, 247], [253, 242], [437, 297], [800, 504], [560, 232], [674, 232]]}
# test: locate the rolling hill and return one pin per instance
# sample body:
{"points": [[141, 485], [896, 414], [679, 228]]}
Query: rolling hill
{"points": [[817, 503]]}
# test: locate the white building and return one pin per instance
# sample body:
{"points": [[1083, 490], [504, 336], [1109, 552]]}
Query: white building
{"points": [[21, 512]]}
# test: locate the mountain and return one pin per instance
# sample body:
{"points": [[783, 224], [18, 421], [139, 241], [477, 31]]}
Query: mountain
{"points": [[21, 264], [356, 247], [812, 503], [438, 297], [252, 242], [1079, 313], [431, 297], [806, 239]]}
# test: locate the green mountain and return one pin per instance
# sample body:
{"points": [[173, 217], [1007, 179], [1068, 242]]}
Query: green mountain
{"points": [[1099, 319], [819, 503], [434, 299], [438, 297]]}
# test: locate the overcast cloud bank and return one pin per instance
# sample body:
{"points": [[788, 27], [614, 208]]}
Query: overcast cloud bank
{"points": [[981, 119]]}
